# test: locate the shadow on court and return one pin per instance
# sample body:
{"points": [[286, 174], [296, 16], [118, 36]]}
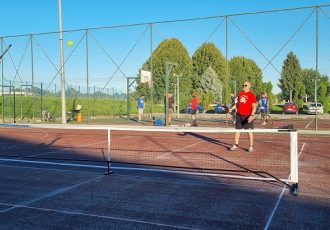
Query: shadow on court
{"points": [[51, 194]]}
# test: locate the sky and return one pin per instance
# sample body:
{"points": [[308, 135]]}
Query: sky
{"points": [[261, 37]]}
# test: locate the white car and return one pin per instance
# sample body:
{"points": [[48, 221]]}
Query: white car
{"points": [[311, 109]]}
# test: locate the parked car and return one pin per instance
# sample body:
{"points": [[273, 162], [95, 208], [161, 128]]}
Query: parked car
{"points": [[290, 107], [218, 108], [311, 109], [200, 109]]}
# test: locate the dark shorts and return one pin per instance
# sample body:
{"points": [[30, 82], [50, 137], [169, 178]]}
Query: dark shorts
{"points": [[242, 122], [193, 111]]}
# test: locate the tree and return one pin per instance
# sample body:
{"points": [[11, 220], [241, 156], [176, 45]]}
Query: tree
{"points": [[169, 50], [323, 95], [142, 89], [243, 69], [308, 80], [208, 55], [291, 79], [268, 88], [210, 86]]}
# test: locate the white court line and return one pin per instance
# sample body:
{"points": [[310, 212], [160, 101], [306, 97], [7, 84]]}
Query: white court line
{"points": [[271, 141], [49, 169], [98, 216], [136, 169], [309, 123], [280, 197], [124, 168], [144, 170], [58, 191], [51, 163], [161, 156]]}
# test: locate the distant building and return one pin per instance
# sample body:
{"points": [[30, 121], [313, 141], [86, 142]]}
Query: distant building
{"points": [[19, 93]]}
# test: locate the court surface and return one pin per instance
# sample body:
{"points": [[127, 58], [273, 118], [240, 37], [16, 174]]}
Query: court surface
{"points": [[47, 194]]}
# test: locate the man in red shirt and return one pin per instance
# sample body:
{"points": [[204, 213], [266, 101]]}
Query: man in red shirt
{"points": [[193, 104], [245, 106]]}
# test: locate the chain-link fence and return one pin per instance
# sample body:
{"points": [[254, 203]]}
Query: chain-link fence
{"points": [[99, 61]]}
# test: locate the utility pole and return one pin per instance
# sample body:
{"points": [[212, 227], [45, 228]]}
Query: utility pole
{"points": [[177, 94], [316, 62], [62, 63], [168, 68]]}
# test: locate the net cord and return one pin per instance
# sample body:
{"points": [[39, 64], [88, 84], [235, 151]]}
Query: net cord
{"points": [[155, 129]]}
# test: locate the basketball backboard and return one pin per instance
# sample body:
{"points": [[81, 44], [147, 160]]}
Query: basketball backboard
{"points": [[145, 77]]}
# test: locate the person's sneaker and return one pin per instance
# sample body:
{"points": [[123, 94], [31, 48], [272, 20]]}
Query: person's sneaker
{"points": [[250, 149], [234, 147]]}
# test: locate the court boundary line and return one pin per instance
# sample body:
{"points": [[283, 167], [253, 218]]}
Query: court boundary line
{"points": [[50, 194], [280, 197], [186, 147], [51, 163], [97, 216], [146, 170], [309, 123], [46, 169], [260, 189]]}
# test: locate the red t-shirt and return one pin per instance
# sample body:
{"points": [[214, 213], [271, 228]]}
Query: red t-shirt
{"points": [[244, 103], [193, 103]]}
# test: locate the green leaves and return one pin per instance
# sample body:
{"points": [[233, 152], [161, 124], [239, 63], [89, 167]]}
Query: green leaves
{"points": [[209, 75], [243, 69], [170, 50], [208, 55], [291, 79]]}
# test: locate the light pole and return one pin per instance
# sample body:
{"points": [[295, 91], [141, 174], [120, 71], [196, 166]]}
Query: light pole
{"points": [[62, 63], [316, 60], [177, 98], [168, 68], [234, 87]]}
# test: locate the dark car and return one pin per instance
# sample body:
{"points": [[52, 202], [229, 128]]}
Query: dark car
{"points": [[220, 108], [200, 109], [290, 107]]}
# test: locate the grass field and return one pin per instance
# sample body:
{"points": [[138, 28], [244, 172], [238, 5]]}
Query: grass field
{"points": [[27, 107]]}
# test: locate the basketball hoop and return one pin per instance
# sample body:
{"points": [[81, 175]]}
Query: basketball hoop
{"points": [[145, 77]]}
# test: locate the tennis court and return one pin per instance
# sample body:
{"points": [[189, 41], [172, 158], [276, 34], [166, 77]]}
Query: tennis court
{"points": [[174, 180]]}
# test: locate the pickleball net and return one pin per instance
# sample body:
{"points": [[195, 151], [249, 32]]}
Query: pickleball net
{"points": [[189, 149]]}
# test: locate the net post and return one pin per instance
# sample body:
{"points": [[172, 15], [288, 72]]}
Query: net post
{"points": [[109, 171], [294, 161]]}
